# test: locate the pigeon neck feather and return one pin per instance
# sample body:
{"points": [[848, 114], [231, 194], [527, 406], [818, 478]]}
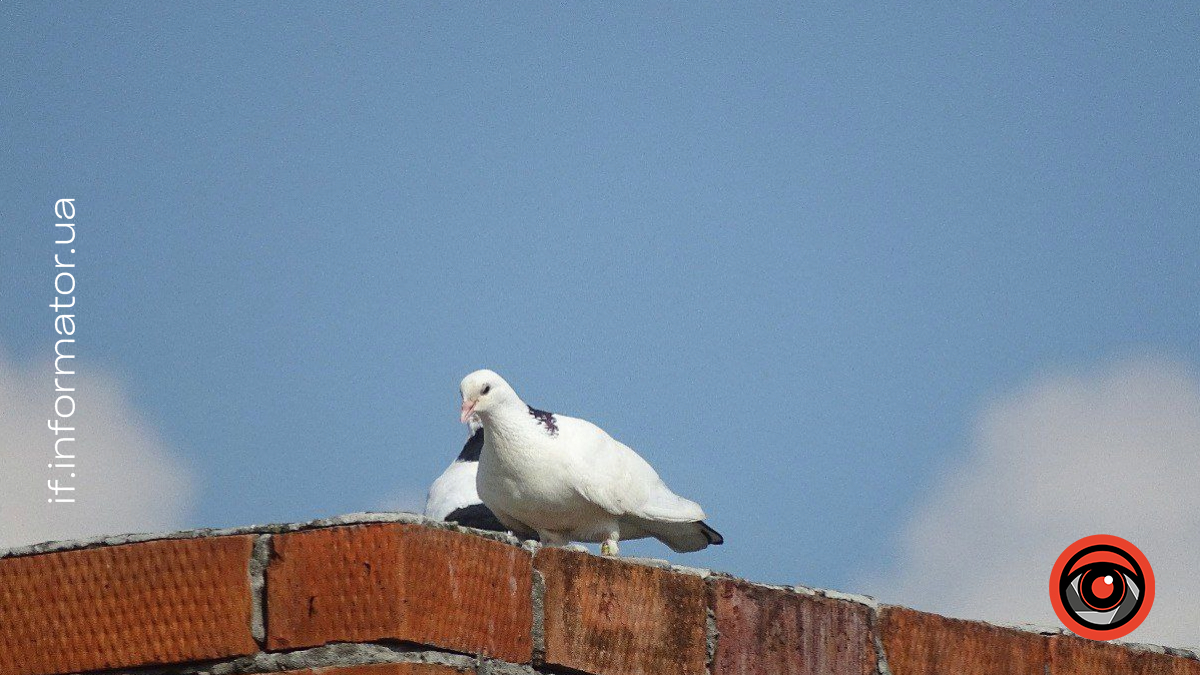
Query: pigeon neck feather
{"points": [[510, 423]]}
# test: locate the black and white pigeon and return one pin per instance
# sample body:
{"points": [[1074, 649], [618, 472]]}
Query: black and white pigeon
{"points": [[566, 480], [452, 497]]}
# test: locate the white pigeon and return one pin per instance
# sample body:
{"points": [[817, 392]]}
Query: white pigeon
{"points": [[565, 479], [452, 497]]}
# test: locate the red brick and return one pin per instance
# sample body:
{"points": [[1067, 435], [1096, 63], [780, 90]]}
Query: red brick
{"points": [[917, 643], [613, 618], [401, 582], [1077, 656], [774, 631], [123, 606], [383, 669]]}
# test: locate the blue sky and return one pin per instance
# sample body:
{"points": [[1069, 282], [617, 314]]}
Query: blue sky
{"points": [[787, 253]]}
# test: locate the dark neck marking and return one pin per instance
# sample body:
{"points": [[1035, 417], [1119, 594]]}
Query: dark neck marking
{"points": [[472, 448], [545, 419]]}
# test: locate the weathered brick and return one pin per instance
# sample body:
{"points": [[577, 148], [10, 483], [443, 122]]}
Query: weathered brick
{"points": [[613, 618], [774, 631], [1077, 656], [123, 606], [382, 669], [401, 582], [917, 643]]}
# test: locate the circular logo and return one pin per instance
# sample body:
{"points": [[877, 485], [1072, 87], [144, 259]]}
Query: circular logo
{"points": [[1102, 587]]}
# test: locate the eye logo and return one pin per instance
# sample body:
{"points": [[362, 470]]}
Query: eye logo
{"points": [[1102, 587]]}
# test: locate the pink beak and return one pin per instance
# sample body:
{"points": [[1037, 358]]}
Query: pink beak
{"points": [[468, 407]]}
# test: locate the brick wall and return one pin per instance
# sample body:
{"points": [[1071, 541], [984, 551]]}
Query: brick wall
{"points": [[389, 594]]}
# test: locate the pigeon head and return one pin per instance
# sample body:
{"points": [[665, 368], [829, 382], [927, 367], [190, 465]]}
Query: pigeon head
{"points": [[484, 392]]}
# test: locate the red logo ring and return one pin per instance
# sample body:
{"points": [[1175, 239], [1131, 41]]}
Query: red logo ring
{"points": [[1102, 587]]}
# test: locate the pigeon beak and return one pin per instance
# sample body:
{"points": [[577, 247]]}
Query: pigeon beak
{"points": [[468, 407]]}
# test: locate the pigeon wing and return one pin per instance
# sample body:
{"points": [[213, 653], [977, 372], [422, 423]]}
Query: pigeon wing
{"points": [[453, 490], [612, 476]]}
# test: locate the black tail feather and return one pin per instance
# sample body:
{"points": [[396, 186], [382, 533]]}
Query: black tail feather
{"points": [[711, 535]]}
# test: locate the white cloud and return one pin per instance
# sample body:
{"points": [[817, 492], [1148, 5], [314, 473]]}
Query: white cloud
{"points": [[1114, 451], [127, 479]]}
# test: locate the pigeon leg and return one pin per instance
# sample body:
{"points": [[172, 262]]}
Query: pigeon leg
{"points": [[609, 547]]}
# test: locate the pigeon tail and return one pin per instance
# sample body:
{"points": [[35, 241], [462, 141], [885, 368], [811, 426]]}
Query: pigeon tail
{"points": [[714, 537], [477, 516], [682, 537]]}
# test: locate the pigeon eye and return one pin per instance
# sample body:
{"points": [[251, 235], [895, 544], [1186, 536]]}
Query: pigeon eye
{"points": [[486, 389]]}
